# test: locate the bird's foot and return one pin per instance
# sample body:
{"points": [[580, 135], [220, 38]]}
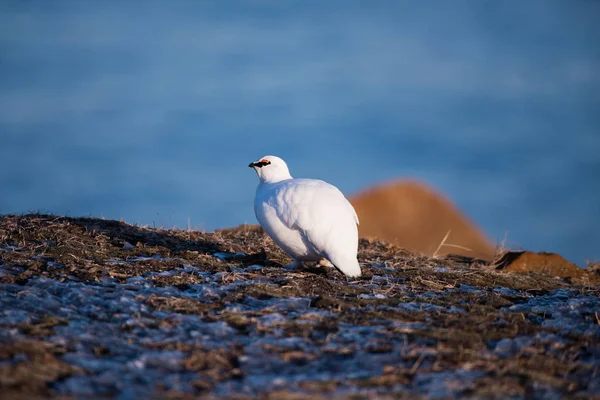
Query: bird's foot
{"points": [[294, 265], [323, 262]]}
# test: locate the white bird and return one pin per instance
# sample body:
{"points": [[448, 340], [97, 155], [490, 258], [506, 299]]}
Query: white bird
{"points": [[309, 219]]}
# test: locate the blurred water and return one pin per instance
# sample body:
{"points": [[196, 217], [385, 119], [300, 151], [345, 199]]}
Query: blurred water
{"points": [[150, 113]]}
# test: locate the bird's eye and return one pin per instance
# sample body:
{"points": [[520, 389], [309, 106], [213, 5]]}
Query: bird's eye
{"points": [[262, 163]]}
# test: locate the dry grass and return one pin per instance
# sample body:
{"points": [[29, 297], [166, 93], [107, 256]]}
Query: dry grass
{"points": [[88, 250]]}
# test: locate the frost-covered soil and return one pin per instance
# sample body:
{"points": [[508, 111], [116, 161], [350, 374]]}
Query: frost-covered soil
{"points": [[93, 308]]}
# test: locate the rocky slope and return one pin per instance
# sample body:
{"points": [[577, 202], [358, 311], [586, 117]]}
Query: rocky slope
{"points": [[93, 307]]}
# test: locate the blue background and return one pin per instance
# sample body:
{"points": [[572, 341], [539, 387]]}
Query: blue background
{"points": [[151, 111]]}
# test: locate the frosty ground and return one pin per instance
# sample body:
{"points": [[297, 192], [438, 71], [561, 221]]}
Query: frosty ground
{"points": [[92, 307]]}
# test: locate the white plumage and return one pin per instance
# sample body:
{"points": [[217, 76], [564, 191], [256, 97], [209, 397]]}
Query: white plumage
{"points": [[309, 219]]}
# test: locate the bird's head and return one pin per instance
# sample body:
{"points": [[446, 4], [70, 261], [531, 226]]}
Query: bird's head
{"points": [[271, 169]]}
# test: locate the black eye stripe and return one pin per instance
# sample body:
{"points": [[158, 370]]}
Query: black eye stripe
{"points": [[261, 164]]}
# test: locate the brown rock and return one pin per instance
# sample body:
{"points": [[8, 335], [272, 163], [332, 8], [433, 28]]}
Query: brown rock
{"points": [[543, 263], [414, 216]]}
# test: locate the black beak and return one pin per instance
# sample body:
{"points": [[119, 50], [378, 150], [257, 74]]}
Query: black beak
{"points": [[251, 165]]}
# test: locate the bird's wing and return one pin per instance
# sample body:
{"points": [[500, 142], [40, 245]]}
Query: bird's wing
{"points": [[315, 208]]}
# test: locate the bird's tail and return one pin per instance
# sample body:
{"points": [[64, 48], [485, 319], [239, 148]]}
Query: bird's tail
{"points": [[349, 266]]}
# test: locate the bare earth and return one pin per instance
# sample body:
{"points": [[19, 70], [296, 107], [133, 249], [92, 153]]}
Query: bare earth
{"points": [[96, 308]]}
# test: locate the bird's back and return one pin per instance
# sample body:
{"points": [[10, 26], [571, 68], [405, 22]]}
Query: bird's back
{"points": [[313, 209], [306, 202]]}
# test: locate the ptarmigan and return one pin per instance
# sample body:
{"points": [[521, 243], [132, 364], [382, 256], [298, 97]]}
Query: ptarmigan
{"points": [[309, 219]]}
